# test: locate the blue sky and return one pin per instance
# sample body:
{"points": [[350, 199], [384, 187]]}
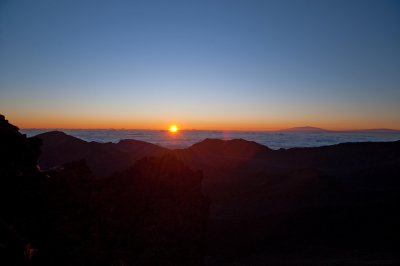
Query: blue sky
{"points": [[201, 64]]}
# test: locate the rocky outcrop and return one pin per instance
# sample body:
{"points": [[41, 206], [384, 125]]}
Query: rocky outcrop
{"points": [[18, 153], [20, 194]]}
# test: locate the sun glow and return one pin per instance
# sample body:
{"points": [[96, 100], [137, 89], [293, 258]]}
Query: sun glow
{"points": [[173, 128]]}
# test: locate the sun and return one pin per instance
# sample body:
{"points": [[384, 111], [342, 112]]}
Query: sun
{"points": [[173, 128]]}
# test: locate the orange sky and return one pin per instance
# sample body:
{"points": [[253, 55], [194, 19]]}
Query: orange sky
{"points": [[125, 122]]}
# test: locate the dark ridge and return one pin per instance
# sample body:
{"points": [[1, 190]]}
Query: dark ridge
{"points": [[60, 138], [102, 158], [235, 147], [130, 144]]}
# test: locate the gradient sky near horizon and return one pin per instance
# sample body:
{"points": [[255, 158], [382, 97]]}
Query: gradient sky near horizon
{"points": [[200, 64]]}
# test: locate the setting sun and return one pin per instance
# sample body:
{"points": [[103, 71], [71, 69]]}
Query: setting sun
{"points": [[173, 129]]}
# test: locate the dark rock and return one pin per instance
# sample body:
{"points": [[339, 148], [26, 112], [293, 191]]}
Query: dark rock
{"points": [[20, 193]]}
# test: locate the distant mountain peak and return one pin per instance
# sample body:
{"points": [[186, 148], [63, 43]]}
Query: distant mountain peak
{"points": [[59, 136], [304, 129]]}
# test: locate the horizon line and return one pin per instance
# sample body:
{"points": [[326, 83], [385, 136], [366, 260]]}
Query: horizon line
{"points": [[292, 129]]}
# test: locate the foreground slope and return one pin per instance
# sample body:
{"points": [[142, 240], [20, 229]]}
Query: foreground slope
{"points": [[298, 206]]}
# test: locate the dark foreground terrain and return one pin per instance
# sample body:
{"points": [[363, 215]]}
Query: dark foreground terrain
{"points": [[152, 213], [215, 203]]}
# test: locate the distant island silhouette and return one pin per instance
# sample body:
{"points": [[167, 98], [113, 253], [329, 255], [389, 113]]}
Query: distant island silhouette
{"points": [[310, 129], [305, 129]]}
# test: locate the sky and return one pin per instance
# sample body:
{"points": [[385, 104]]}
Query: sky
{"points": [[247, 65]]}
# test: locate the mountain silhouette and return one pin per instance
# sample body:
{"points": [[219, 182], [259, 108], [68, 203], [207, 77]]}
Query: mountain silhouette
{"points": [[266, 207], [102, 158]]}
